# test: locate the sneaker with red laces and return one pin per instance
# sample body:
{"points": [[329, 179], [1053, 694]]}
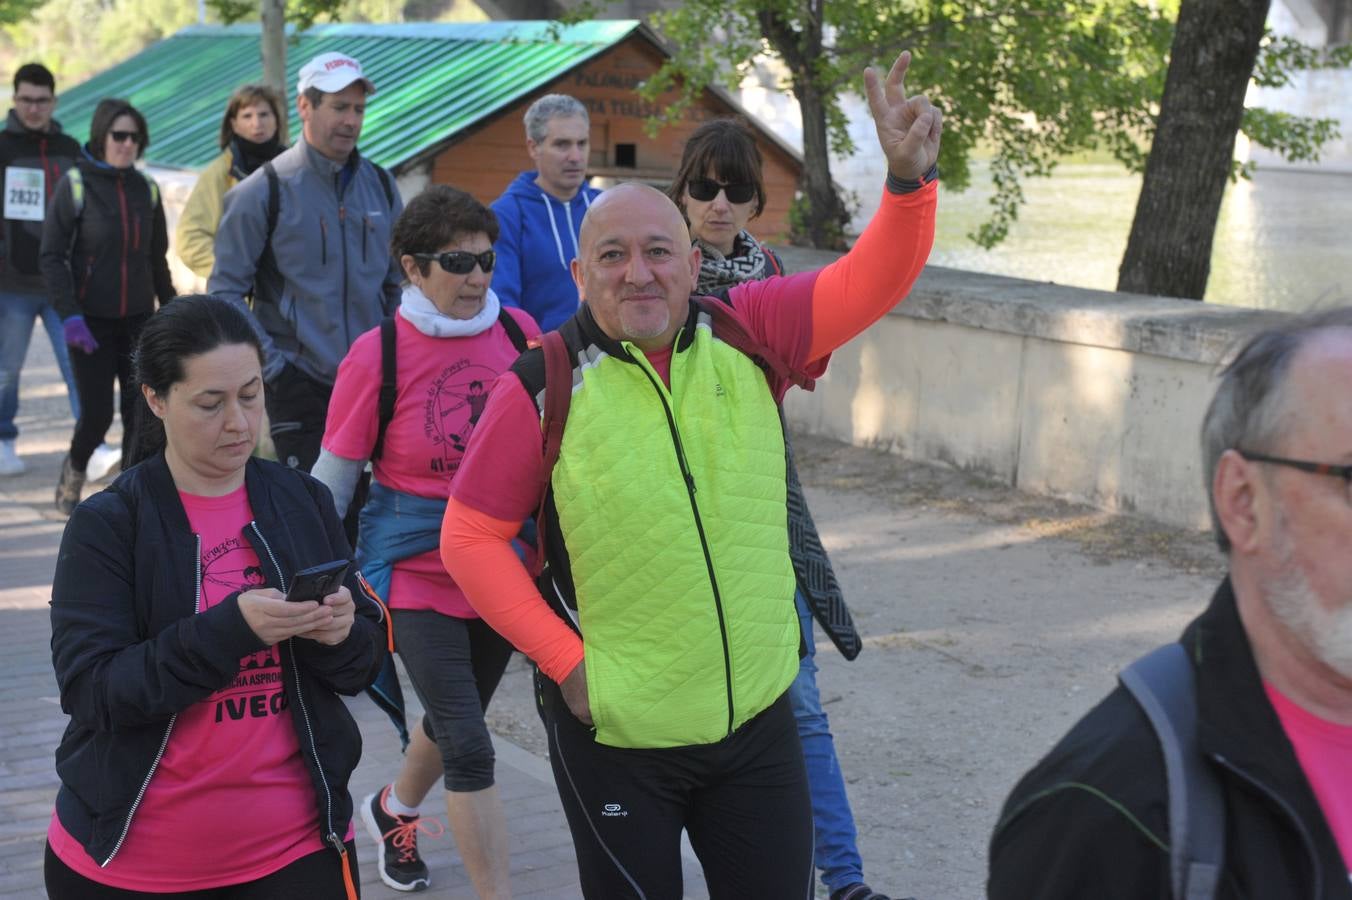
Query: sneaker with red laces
{"points": [[397, 839]]}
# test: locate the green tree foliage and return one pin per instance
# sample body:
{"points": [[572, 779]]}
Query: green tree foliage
{"points": [[1027, 82], [76, 38]]}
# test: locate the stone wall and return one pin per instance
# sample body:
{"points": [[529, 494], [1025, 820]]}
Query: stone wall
{"points": [[1091, 396]]}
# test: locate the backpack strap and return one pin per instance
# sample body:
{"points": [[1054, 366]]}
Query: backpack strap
{"points": [[77, 190], [1163, 683], [389, 372], [385, 183], [558, 398], [513, 329], [154, 187], [729, 329]]}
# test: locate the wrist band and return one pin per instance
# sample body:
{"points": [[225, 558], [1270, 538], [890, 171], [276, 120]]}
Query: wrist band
{"points": [[897, 185]]}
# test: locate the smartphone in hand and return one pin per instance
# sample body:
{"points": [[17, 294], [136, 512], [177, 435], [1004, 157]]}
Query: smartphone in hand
{"points": [[317, 582]]}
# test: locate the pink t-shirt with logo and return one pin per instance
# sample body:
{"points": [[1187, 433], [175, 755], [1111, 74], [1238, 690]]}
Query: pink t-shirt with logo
{"points": [[443, 386], [231, 799], [1324, 750]]}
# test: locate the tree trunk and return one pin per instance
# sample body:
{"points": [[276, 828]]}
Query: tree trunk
{"points": [[823, 215], [273, 48], [1215, 47]]}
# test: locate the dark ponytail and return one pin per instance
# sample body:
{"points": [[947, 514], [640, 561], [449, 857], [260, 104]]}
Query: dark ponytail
{"points": [[182, 329]]}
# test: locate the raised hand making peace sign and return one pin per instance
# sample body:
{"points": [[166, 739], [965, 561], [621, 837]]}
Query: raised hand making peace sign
{"points": [[908, 127]]}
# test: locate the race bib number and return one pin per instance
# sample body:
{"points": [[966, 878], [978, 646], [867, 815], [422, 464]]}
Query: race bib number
{"points": [[24, 194]]}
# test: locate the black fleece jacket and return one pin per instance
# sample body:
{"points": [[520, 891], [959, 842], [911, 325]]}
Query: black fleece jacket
{"points": [[1091, 819], [130, 651], [107, 255]]}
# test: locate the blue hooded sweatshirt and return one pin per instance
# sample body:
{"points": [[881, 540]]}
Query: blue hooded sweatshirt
{"points": [[537, 240]]}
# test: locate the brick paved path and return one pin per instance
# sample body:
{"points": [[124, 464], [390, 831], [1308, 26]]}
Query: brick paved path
{"points": [[31, 721]]}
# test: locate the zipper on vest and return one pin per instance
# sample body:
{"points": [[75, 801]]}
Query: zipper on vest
{"points": [[331, 833], [164, 742], [1306, 840], [689, 478]]}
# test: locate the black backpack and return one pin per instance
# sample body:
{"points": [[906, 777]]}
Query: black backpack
{"points": [[1163, 683]]}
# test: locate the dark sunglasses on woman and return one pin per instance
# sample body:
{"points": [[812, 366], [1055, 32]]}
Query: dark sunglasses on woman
{"points": [[706, 189], [460, 262], [122, 137]]}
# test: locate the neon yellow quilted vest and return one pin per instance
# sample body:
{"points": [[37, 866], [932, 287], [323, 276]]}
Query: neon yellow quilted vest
{"points": [[672, 506]]}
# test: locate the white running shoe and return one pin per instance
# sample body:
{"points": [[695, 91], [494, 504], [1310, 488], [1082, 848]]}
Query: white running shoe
{"points": [[10, 464], [107, 460]]}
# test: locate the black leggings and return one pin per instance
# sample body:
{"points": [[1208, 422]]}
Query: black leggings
{"points": [[744, 802], [94, 376], [454, 665], [319, 875]]}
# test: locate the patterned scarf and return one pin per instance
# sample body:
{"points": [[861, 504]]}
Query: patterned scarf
{"points": [[749, 262]]}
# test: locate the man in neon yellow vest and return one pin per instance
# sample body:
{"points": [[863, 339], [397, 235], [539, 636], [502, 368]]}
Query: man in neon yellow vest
{"points": [[664, 628]]}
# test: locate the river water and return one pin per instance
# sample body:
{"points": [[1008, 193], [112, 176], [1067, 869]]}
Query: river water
{"points": [[1284, 239]]}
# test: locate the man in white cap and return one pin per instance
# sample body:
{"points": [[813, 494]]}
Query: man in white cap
{"points": [[308, 234]]}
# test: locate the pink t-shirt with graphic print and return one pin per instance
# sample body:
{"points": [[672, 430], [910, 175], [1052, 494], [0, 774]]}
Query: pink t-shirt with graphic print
{"points": [[1324, 749], [443, 386], [231, 799]]}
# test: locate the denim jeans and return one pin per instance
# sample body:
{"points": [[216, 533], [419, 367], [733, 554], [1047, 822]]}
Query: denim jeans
{"points": [[837, 853], [17, 314]]}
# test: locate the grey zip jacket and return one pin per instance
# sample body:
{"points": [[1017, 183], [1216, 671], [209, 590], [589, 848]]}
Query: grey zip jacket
{"points": [[326, 275]]}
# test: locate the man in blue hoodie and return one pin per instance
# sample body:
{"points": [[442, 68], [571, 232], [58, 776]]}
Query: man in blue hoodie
{"points": [[541, 211]]}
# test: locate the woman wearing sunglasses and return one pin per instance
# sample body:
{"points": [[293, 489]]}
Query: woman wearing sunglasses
{"points": [[104, 259], [451, 340], [720, 189]]}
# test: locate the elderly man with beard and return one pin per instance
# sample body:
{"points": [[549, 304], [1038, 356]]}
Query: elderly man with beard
{"points": [[1272, 656]]}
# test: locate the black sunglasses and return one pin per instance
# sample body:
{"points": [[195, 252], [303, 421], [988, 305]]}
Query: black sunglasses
{"points": [[122, 137], [460, 262], [706, 189]]}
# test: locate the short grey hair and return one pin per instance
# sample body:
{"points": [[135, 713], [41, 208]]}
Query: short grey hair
{"points": [[1249, 410], [552, 106]]}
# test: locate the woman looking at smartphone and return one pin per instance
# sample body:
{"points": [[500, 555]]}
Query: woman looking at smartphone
{"points": [[208, 748]]}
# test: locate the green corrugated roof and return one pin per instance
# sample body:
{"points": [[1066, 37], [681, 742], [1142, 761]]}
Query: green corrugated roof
{"points": [[433, 79]]}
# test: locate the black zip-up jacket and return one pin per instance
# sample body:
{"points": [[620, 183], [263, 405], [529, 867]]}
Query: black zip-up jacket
{"points": [[131, 652], [1091, 819], [111, 260], [52, 153]]}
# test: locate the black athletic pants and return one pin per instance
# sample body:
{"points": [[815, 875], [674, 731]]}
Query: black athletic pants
{"points": [[744, 802], [94, 376], [297, 409], [319, 875]]}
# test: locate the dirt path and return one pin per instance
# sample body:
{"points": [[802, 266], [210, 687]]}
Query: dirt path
{"points": [[992, 621]]}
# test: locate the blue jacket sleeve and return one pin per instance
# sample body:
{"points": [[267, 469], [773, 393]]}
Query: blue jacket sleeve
{"points": [[507, 270]]}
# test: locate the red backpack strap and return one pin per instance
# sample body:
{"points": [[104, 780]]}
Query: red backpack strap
{"points": [[729, 329], [558, 397]]}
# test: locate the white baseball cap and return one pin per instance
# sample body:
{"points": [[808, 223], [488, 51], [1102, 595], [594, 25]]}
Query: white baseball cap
{"points": [[331, 72]]}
